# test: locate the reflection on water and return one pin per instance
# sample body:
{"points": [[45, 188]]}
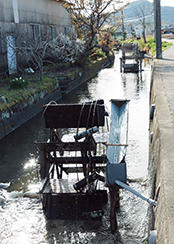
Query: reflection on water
{"points": [[22, 218]]}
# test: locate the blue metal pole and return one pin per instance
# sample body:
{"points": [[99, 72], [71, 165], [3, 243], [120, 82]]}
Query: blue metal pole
{"points": [[151, 201]]}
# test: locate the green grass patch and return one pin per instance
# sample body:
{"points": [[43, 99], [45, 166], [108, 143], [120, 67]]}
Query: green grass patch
{"points": [[21, 90], [16, 92], [18, 83], [151, 43]]}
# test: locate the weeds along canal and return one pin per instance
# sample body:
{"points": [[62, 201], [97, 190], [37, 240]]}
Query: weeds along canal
{"points": [[21, 215]]}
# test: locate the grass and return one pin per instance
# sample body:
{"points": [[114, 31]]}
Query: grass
{"points": [[151, 43], [14, 96], [16, 92], [49, 81]]}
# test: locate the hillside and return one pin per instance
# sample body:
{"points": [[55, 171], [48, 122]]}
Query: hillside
{"points": [[167, 13]]}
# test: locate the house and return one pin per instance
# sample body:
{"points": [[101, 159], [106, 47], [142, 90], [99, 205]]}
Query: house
{"points": [[34, 18], [138, 30]]}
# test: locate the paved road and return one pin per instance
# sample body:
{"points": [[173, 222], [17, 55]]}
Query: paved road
{"points": [[165, 68]]}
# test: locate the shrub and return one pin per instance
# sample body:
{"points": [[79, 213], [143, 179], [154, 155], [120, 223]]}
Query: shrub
{"points": [[100, 54], [18, 83], [65, 49]]}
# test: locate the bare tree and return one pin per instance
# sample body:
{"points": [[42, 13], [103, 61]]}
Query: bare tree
{"points": [[34, 53], [31, 53], [27, 52], [142, 11]]}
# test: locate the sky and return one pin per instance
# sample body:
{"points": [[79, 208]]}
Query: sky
{"points": [[163, 2]]}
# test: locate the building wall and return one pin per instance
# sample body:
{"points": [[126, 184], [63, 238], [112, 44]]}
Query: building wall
{"points": [[33, 11], [48, 17]]}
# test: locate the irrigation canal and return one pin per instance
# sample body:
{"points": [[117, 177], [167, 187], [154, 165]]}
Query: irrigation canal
{"points": [[21, 217]]}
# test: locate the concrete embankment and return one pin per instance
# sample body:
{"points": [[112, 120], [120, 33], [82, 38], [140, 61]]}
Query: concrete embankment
{"points": [[161, 147], [23, 111]]}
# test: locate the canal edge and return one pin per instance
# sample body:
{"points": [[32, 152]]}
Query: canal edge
{"points": [[161, 134], [11, 120]]}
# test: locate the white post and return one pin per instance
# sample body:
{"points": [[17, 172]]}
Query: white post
{"points": [[15, 11]]}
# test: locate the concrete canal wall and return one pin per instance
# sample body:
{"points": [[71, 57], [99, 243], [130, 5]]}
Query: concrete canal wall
{"points": [[22, 112], [161, 151]]}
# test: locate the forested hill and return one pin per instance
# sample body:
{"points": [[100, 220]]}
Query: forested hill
{"points": [[167, 13]]}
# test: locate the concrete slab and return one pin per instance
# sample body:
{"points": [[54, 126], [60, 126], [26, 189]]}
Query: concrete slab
{"points": [[163, 128]]}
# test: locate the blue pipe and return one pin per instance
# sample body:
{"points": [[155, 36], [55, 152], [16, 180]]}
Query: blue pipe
{"points": [[151, 201]]}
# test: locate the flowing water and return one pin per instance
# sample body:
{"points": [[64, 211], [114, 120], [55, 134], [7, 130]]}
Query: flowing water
{"points": [[21, 217]]}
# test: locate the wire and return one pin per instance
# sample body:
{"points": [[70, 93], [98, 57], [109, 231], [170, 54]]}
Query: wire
{"points": [[41, 118]]}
